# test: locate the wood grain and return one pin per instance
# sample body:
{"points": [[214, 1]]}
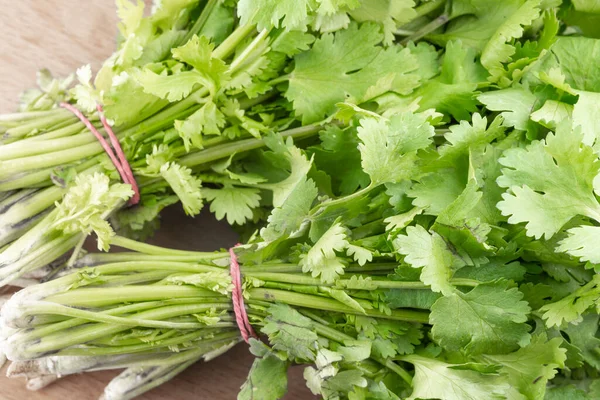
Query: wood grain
{"points": [[62, 35]]}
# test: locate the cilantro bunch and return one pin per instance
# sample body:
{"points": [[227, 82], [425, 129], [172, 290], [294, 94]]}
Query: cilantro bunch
{"points": [[192, 91], [436, 240]]}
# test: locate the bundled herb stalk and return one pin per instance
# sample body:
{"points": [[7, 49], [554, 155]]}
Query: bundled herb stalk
{"points": [[191, 91], [406, 255], [367, 287]]}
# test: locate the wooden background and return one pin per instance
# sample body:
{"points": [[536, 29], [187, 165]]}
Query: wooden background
{"points": [[62, 35]]}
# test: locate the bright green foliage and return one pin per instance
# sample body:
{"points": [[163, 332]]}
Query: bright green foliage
{"points": [[322, 260], [433, 235], [290, 14], [87, 205], [529, 369], [583, 337], [550, 182], [453, 91], [321, 77], [338, 156], [267, 380], [288, 218], [428, 251], [219, 282], [515, 105], [492, 320], [234, 203], [198, 54], [582, 242], [389, 148], [435, 379], [572, 306], [185, 185], [291, 332], [497, 51]]}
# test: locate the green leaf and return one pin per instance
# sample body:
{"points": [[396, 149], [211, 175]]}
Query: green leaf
{"points": [[140, 222], [338, 156], [515, 105], [207, 120], [587, 6], [529, 369], [87, 204], [197, 52], [550, 182], [390, 14], [267, 380], [218, 281], [582, 242], [429, 252], [389, 148], [453, 92], [571, 307], [401, 221], [552, 113], [492, 320], [130, 14], [436, 379], [171, 87], [355, 350], [570, 392], [289, 14], [185, 185], [360, 254], [290, 216], [236, 204], [497, 51], [290, 332], [126, 100], [583, 337], [321, 77], [299, 168], [479, 22], [321, 259]]}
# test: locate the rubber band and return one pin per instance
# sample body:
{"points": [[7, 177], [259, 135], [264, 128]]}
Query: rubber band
{"points": [[117, 156], [237, 297]]}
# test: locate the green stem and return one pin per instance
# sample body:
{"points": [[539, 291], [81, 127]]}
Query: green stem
{"points": [[340, 337], [343, 200], [247, 52], [145, 248], [323, 303], [43, 308], [43, 329], [302, 279], [93, 259], [89, 332], [427, 29], [280, 79], [429, 7], [200, 22], [225, 150], [28, 115], [156, 345], [105, 296], [229, 45], [38, 124]]}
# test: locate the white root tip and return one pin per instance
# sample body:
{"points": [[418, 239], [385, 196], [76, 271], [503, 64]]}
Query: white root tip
{"points": [[29, 369], [40, 382]]}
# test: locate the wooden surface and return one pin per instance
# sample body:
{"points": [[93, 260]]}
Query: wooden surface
{"points": [[62, 35]]}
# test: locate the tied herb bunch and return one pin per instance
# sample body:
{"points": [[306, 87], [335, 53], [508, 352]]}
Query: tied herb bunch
{"points": [[392, 291], [438, 239], [192, 92]]}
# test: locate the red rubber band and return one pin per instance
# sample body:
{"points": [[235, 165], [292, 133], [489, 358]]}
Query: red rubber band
{"points": [[239, 309], [117, 156]]}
